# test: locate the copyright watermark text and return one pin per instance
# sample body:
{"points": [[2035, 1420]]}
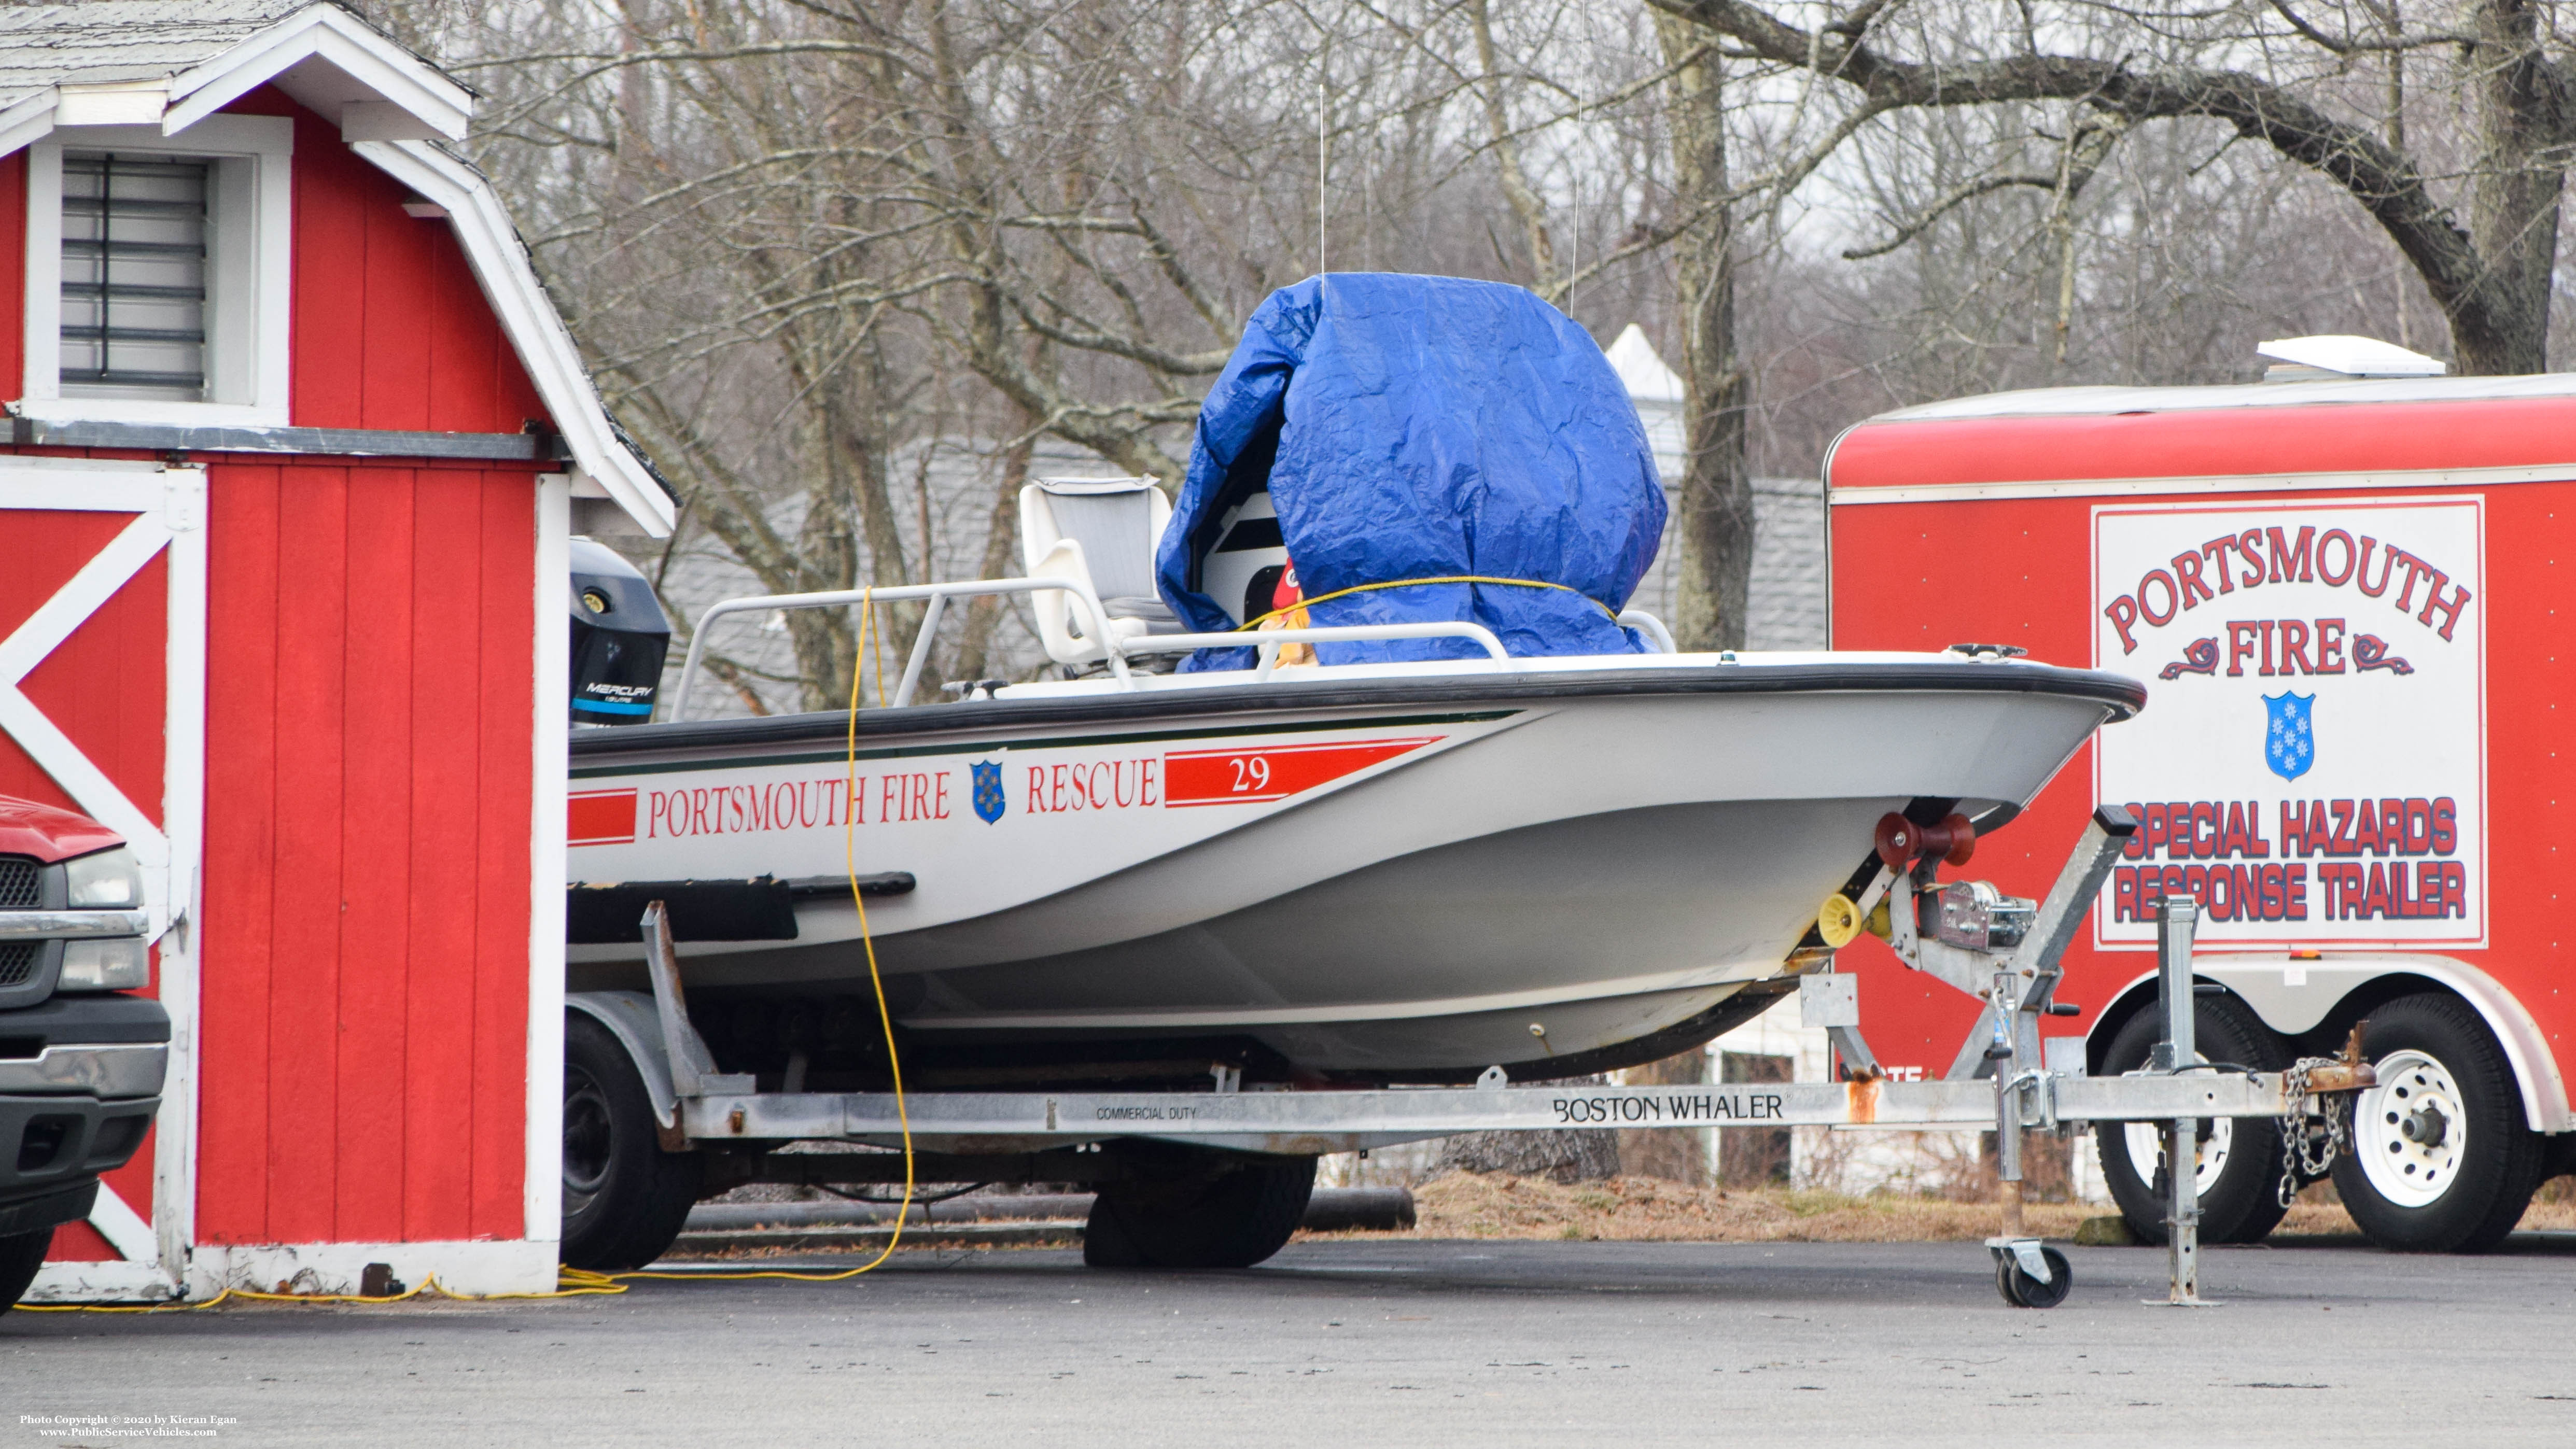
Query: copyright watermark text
{"points": [[128, 1426]]}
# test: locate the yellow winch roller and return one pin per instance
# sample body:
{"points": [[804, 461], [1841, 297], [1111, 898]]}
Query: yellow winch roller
{"points": [[1838, 920]]}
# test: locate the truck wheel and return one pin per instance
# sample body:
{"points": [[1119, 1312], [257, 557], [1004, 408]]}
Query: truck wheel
{"points": [[624, 1198], [2239, 1161], [21, 1254], [2441, 1161], [1235, 1219]]}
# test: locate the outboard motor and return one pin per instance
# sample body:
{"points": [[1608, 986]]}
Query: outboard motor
{"points": [[619, 636]]}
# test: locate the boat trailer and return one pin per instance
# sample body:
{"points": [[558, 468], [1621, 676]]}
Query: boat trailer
{"points": [[2002, 950]]}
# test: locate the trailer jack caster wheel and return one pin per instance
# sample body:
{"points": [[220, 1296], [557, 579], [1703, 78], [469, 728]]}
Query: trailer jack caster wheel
{"points": [[2019, 1263]]}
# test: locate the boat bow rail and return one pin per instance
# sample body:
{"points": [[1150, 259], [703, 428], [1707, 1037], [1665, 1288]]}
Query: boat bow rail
{"points": [[1120, 649], [1474, 682]]}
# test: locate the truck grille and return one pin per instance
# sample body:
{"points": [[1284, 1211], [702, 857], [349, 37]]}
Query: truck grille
{"points": [[18, 883], [18, 961]]}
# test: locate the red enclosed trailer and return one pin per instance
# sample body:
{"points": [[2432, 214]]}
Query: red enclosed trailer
{"points": [[296, 441], [2342, 595]]}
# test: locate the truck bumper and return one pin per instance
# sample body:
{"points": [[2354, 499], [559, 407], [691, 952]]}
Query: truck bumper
{"points": [[81, 1020], [50, 1208], [53, 1148], [80, 1080]]}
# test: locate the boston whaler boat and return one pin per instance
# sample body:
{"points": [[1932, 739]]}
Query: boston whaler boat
{"points": [[1496, 822]]}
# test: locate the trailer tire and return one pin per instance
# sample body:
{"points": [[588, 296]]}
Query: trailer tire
{"points": [[21, 1254], [2023, 1291], [2437, 1060], [1237, 1218], [624, 1198], [2240, 1192]]}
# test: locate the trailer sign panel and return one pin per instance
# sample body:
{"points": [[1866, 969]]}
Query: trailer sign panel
{"points": [[2311, 764]]}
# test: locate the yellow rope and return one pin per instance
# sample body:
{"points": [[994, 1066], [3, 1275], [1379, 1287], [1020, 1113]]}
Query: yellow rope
{"points": [[570, 1283], [867, 940], [885, 1015], [1257, 622], [582, 1282], [614, 1282]]}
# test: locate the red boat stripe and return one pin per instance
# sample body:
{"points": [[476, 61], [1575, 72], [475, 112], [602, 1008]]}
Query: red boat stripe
{"points": [[1270, 772], [602, 817]]}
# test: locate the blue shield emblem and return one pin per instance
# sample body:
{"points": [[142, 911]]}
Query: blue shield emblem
{"points": [[990, 802], [2289, 733]]}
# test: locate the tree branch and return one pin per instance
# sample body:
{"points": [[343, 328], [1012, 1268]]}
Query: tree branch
{"points": [[1949, 201], [2347, 45], [2384, 180], [1091, 339]]}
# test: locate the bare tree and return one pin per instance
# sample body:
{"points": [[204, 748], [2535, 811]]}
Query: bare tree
{"points": [[1713, 517], [810, 246], [1660, 90], [821, 251], [2275, 77], [857, 272]]}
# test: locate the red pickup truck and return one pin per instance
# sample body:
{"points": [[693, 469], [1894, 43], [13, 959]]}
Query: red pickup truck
{"points": [[81, 1058]]}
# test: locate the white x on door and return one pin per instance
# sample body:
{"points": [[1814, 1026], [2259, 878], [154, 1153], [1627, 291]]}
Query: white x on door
{"points": [[85, 546]]}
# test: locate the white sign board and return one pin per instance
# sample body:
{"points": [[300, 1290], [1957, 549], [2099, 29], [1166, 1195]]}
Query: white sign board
{"points": [[2311, 764]]}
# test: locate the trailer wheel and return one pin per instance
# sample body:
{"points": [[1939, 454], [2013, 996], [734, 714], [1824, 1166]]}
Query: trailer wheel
{"points": [[21, 1254], [1243, 1214], [2441, 1160], [2024, 1291], [624, 1198], [2239, 1161]]}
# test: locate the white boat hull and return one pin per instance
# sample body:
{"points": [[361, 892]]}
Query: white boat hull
{"points": [[1370, 873]]}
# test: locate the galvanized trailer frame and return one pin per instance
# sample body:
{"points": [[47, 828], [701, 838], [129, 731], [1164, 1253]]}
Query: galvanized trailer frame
{"points": [[1999, 1079]]}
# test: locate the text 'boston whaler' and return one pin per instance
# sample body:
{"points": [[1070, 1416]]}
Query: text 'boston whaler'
{"points": [[1495, 821]]}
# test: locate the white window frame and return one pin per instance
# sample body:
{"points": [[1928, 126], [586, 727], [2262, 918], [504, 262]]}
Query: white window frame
{"points": [[249, 255]]}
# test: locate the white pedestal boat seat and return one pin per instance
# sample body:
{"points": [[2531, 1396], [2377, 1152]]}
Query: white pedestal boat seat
{"points": [[1104, 530]]}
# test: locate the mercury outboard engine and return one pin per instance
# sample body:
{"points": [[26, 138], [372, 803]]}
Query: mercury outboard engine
{"points": [[619, 635]]}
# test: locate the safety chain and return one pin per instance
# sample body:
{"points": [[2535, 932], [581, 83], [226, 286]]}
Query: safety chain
{"points": [[2309, 1151]]}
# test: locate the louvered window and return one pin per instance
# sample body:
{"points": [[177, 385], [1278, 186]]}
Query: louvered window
{"points": [[134, 275]]}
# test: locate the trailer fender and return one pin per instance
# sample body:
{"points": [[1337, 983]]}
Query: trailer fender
{"points": [[629, 1017], [2262, 981]]}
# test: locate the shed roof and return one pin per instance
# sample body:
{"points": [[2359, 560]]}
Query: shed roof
{"points": [[172, 63], [101, 41]]}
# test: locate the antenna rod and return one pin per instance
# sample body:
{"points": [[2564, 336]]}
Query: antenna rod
{"points": [[1323, 123]]}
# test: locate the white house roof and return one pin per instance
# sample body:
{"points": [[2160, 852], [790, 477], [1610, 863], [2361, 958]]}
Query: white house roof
{"points": [[1785, 597], [171, 63], [1643, 373]]}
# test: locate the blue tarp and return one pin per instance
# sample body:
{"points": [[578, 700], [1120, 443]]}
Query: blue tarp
{"points": [[1412, 427]]}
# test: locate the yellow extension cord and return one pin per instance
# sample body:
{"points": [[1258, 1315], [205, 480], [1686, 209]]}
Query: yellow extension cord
{"points": [[583, 1282], [1258, 621]]}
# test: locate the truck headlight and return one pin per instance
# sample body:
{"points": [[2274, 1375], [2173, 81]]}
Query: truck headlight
{"points": [[113, 963], [109, 880]]}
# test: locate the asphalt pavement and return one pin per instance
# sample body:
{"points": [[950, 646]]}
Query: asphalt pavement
{"points": [[1370, 1342]]}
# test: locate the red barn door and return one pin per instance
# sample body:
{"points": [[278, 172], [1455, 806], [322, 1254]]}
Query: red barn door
{"points": [[102, 711]]}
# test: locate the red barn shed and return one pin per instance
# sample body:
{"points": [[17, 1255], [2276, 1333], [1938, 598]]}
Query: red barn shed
{"points": [[294, 453]]}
